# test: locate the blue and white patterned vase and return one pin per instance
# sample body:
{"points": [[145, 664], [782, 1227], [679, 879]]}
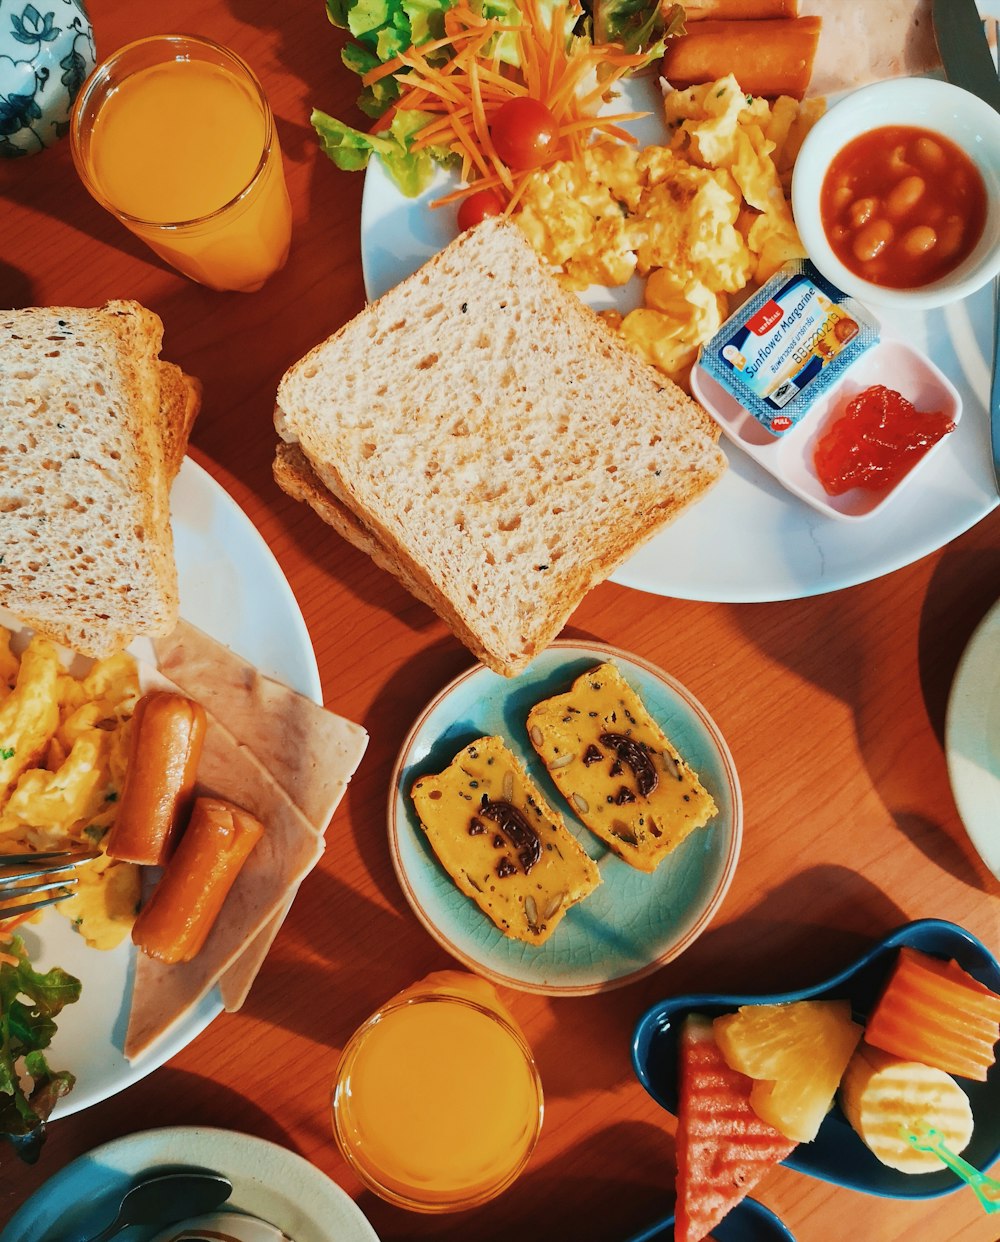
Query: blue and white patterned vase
{"points": [[46, 52]]}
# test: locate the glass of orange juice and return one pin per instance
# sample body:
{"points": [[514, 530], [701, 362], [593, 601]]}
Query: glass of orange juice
{"points": [[174, 136], [437, 1102]]}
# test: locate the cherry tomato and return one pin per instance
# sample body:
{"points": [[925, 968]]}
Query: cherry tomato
{"points": [[523, 132], [478, 206]]}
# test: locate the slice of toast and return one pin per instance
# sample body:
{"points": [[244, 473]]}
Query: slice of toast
{"points": [[494, 441], [501, 843], [180, 403], [94, 428], [617, 769]]}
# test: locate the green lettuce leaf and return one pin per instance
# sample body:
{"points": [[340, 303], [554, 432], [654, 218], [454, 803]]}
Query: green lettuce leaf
{"points": [[30, 1002], [351, 149], [638, 25]]}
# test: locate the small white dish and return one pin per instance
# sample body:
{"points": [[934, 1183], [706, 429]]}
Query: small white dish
{"points": [[789, 457], [926, 103], [972, 739], [633, 922]]}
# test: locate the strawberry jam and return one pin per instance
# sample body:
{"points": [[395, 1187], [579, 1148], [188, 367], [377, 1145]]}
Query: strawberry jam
{"points": [[878, 439]]}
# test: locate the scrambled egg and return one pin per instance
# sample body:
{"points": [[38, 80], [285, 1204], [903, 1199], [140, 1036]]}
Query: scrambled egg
{"points": [[63, 751], [704, 219]]}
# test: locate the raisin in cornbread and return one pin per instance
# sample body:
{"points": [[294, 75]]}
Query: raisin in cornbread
{"points": [[501, 843], [617, 769]]}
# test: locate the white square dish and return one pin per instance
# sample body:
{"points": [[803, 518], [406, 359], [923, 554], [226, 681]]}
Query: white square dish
{"points": [[789, 458]]}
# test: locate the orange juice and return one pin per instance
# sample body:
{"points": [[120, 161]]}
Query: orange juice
{"points": [[174, 136], [438, 1103]]}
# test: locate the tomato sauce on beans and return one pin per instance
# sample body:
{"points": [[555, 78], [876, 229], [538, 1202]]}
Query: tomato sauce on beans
{"points": [[902, 206]]}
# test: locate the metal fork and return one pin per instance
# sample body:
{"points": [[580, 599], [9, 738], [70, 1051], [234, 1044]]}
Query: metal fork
{"points": [[56, 870]]}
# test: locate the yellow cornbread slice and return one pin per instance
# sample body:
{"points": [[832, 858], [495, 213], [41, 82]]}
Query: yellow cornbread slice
{"points": [[617, 769], [501, 843]]}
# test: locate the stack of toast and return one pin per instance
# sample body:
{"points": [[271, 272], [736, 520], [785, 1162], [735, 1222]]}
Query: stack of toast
{"points": [[482, 435], [95, 427]]}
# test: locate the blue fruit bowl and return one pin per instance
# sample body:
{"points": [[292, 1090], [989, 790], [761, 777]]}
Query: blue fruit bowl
{"points": [[749, 1221], [837, 1154]]}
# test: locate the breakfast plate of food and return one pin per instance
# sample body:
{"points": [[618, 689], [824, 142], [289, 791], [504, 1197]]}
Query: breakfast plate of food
{"points": [[160, 716], [560, 862], [750, 540], [232, 586]]}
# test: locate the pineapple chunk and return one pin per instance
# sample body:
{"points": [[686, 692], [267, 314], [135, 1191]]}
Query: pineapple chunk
{"points": [[884, 1096], [796, 1053]]}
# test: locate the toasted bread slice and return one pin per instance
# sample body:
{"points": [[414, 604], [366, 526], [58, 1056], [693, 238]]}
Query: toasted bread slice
{"points": [[180, 402], [617, 769], [87, 460], [494, 441], [501, 843]]}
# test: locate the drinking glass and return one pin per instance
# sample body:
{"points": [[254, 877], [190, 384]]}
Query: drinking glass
{"points": [[173, 135], [437, 1101]]}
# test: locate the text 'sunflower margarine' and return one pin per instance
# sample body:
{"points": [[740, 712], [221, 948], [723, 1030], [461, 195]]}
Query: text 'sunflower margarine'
{"points": [[788, 344]]}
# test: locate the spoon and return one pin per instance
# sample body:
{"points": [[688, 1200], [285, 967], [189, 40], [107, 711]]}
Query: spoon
{"points": [[986, 1188], [166, 1197]]}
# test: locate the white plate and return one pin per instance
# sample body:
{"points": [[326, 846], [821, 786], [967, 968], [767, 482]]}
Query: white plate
{"points": [[231, 587], [633, 922], [268, 1181], [972, 739], [749, 540]]}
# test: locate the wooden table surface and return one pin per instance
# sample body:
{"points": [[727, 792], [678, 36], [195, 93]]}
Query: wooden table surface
{"points": [[833, 707]]}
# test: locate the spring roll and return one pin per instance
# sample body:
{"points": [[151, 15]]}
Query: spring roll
{"points": [[769, 58], [739, 10]]}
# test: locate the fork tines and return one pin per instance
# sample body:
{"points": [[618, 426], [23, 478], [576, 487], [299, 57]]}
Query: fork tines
{"points": [[17, 869]]}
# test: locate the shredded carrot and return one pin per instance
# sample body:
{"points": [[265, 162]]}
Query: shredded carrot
{"points": [[463, 94]]}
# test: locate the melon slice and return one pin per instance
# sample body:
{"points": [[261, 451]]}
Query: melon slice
{"points": [[935, 1012], [796, 1053], [884, 1098], [723, 1147]]}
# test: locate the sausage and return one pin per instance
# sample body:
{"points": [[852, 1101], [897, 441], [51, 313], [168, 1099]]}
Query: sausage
{"points": [[168, 732], [771, 57], [739, 10], [176, 921]]}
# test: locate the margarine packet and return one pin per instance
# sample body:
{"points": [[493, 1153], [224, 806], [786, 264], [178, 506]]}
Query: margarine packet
{"points": [[788, 344]]}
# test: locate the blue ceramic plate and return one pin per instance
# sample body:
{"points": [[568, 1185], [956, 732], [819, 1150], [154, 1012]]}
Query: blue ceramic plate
{"points": [[749, 1221], [837, 1154], [633, 922]]}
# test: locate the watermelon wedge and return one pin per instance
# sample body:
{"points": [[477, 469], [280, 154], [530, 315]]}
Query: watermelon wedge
{"points": [[723, 1147]]}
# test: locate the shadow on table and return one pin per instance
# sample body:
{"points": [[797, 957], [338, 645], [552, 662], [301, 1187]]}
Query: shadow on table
{"points": [[629, 1165], [840, 644], [964, 586]]}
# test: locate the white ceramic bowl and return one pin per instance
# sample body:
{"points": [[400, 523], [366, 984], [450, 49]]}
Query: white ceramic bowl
{"points": [[928, 104]]}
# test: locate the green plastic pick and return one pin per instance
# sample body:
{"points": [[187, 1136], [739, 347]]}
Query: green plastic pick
{"points": [[986, 1188]]}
